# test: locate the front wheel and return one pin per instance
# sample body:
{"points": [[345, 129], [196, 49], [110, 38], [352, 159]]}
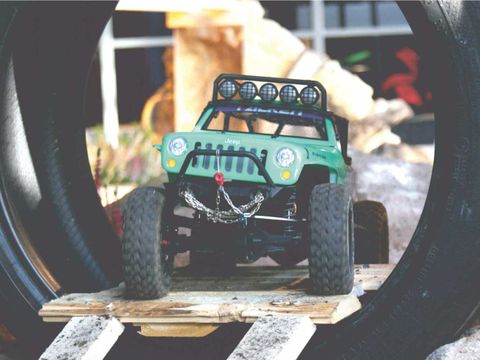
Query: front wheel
{"points": [[147, 264], [330, 230]]}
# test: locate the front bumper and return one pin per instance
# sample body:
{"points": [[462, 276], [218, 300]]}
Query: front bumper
{"points": [[224, 153]]}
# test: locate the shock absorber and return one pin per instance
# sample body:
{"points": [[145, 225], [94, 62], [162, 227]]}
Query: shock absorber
{"points": [[291, 230]]}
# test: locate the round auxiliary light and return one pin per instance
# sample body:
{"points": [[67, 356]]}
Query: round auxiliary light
{"points": [[177, 146], [248, 90], [309, 95], [268, 92], [288, 94], [228, 89], [285, 157]]}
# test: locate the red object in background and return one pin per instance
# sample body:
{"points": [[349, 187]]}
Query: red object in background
{"points": [[219, 179], [403, 84]]}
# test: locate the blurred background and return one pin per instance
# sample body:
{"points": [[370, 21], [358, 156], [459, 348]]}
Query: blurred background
{"points": [[156, 62]]}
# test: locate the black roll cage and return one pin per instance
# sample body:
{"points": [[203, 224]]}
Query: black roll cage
{"points": [[248, 121], [341, 129]]}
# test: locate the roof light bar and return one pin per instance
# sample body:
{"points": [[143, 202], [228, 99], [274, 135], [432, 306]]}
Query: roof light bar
{"points": [[228, 86]]}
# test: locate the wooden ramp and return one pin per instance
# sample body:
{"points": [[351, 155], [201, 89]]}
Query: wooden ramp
{"points": [[197, 305]]}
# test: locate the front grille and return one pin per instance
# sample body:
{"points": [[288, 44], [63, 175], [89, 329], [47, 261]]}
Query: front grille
{"points": [[229, 164]]}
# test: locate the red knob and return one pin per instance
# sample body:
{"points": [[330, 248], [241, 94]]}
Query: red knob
{"points": [[219, 178]]}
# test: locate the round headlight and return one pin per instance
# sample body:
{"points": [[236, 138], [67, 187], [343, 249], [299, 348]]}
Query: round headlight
{"points": [[248, 90], [285, 157], [268, 92], [228, 89], [309, 95], [177, 146], [288, 94]]}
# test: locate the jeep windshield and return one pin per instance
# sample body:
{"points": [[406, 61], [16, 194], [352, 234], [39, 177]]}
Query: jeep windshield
{"points": [[267, 121]]}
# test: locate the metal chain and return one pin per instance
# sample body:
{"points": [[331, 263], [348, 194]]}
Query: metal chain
{"points": [[235, 215]]}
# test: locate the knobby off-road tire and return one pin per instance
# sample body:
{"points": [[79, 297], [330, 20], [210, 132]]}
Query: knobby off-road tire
{"points": [[147, 267], [330, 233], [371, 232]]}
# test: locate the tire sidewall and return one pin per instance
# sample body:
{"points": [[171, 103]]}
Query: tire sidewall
{"points": [[147, 265], [330, 235]]}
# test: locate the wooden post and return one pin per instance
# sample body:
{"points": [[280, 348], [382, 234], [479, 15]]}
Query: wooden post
{"points": [[275, 338], [207, 43], [85, 338]]}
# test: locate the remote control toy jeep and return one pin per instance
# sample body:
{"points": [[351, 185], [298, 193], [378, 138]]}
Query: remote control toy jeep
{"points": [[263, 173]]}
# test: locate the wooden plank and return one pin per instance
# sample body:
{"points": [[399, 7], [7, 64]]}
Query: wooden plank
{"points": [[84, 338], [177, 6], [371, 277], [273, 278], [202, 307], [274, 338], [177, 330], [243, 297]]}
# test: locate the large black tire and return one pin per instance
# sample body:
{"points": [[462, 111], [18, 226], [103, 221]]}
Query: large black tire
{"points": [[330, 233], [371, 232], [426, 301], [147, 264]]}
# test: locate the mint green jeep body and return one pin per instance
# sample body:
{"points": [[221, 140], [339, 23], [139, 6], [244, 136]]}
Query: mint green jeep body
{"points": [[309, 152], [264, 172]]}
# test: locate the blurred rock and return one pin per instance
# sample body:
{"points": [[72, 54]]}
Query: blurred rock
{"points": [[410, 153], [348, 95], [389, 112], [466, 348], [402, 187], [269, 49], [375, 130]]}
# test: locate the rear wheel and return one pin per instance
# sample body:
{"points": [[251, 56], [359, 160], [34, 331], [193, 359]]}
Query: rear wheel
{"points": [[330, 230], [147, 264], [371, 232]]}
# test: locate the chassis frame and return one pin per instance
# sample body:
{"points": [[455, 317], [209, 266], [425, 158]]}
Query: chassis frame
{"points": [[252, 241]]}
